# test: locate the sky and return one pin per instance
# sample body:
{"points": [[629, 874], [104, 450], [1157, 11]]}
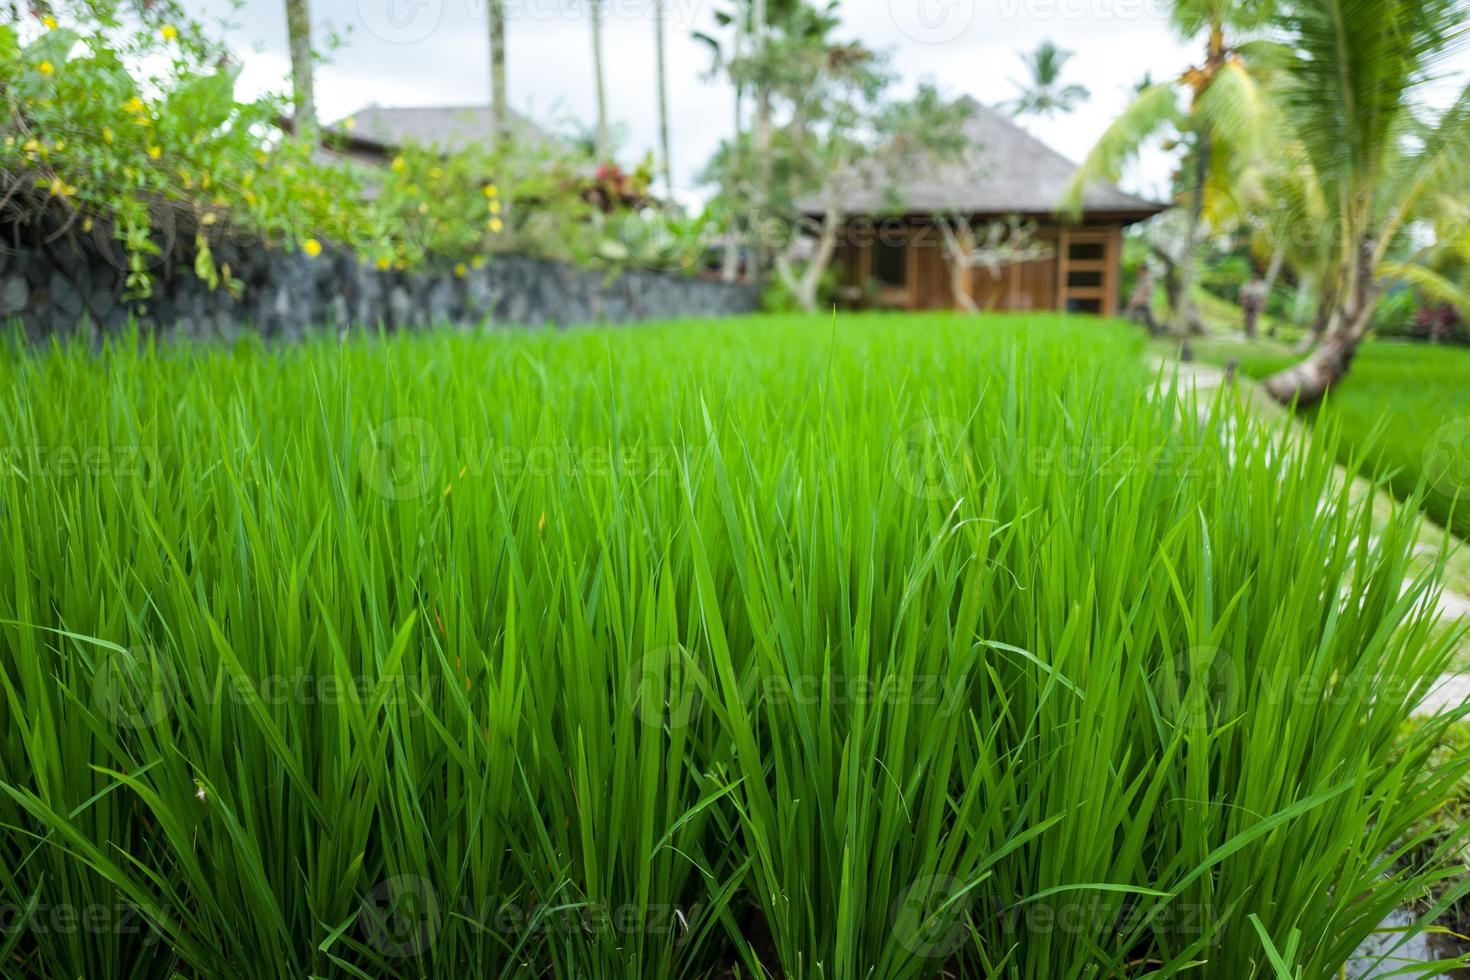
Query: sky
{"points": [[434, 52]]}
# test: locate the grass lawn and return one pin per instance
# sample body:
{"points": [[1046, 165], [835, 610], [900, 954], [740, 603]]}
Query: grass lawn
{"points": [[1405, 406], [899, 647]]}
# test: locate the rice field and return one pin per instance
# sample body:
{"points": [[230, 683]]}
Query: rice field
{"points": [[889, 647]]}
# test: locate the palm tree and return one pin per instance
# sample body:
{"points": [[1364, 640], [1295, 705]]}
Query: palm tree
{"points": [[499, 98], [298, 32], [1226, 119], [604, 150], [663, 94], [1044, 95], [1353, 96]]}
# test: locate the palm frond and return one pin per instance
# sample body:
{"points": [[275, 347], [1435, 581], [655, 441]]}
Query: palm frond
{"points": [[1238, 110], [1155, 108], [1435, 286], [1357, 65], [1440, 168]]}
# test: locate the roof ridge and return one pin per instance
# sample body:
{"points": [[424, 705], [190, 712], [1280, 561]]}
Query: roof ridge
{"points": [[1041, 145]]}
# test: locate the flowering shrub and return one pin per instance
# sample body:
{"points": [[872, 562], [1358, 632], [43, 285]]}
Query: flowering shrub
{"points": [[122, 151], [125, 123]]}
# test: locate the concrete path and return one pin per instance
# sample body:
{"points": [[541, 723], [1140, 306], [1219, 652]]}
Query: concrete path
{"points": [[1205, 379], [1386, 953]]}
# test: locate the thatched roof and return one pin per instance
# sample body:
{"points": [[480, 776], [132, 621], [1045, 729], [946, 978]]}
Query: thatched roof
{"points": [[447, 128], [1006, 171]]}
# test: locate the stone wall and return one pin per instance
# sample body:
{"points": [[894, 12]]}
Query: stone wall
{"points": [[75, 284]]}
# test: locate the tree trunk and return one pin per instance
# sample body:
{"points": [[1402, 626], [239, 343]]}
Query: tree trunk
{"points": [[663, 95], [1141, 302], [604, 151], [1307, 382], [499, 97], [763, 148], [1186, 315], [1325, 322], [1273, 274], [1187, 318], [730, 265], [303, 92], [805, 286]]}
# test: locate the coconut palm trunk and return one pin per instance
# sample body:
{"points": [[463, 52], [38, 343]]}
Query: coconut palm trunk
{"points": [[604, 150], [1358, 76], [765, 160], [303, 90], [1187, 318], [499, 97], [734, 190], [661, 51]]}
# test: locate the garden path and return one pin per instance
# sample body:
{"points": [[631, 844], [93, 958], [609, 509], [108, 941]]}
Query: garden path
{"points": [[1453, 690]]}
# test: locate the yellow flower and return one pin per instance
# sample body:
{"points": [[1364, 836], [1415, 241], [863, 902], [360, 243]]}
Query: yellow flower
{"points": [[496, 225], [399, 165], [86, 225], [47, 68], [423, 208], [107, 134], [495, 207], [491, 190], [60, 145], [435, 172], [154, 152], [49, 22], [133, 106], [459, 269], [478, 262], [401, 264], [349, 123], [312, 247], [383, 263], [169, 32]]}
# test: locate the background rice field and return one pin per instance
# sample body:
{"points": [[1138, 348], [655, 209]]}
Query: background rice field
{"points": [[889, 647]]}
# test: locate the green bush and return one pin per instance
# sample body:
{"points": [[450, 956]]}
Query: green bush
{"points": [[895, 647], [89, 131], [131, 129]]}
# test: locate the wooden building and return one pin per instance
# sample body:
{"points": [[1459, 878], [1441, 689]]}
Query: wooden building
{"points": [[895, 258]]}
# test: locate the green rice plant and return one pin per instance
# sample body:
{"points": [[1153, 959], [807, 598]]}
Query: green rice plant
{"points": [[890, 647]]}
